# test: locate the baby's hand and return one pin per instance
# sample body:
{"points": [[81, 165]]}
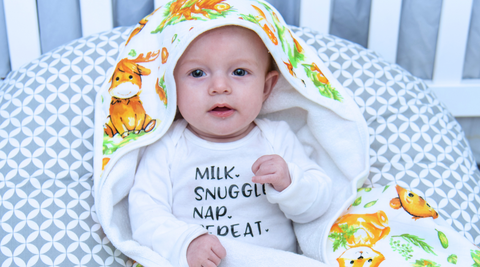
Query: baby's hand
{"points": [[271, 169], [205, 250]]}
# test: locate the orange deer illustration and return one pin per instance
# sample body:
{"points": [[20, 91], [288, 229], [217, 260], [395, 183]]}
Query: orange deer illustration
{"points": [[127, 114]]}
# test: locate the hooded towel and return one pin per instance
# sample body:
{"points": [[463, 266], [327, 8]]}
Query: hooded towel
{"points": [[137, 105]]}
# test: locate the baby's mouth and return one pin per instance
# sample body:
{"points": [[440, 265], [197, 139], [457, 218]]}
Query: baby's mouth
{"points": [[221, 111]]}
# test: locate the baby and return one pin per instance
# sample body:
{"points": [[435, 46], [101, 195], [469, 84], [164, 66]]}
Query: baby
{"points": [[221, 171]]}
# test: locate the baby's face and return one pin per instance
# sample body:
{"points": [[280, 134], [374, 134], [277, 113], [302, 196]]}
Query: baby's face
{"points": [[222, 81]]}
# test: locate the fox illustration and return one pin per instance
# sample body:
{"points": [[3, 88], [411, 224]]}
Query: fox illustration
{"points": [[413, 204], [371, 228], [127, 114], [361, 256]]}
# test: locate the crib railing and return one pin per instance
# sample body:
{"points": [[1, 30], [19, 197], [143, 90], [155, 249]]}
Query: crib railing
{"points": [[461, 96]]}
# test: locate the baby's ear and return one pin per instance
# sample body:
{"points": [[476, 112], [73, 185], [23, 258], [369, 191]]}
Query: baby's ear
{"points": [[270, 81]]}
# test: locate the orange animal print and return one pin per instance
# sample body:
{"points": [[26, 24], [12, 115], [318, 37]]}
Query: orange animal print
{"points": [[297, 44], [320, 76], [360, 257], [184, 9], [413, 204], [265, 27], [126, 110], [290, 68], [164, 55], [371, 228], [104, 162], [181, 7], [139, 28]]}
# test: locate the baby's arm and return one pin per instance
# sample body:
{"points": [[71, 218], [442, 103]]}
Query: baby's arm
{"points": [[152, 222], [205, 250], [308, 195]]}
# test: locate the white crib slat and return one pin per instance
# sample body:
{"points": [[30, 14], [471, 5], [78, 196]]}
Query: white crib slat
{"points": [[452, 41], [384, 28], [461, 99], [96, 16], [316, 14], [24, 40]]}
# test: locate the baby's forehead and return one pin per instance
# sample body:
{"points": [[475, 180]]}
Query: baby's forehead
{"points": [[233, 33], [232, 41], [235, 30]]}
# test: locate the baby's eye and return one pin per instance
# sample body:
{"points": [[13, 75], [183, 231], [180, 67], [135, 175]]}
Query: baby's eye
{"points": [[197, 73], [239, 72]]}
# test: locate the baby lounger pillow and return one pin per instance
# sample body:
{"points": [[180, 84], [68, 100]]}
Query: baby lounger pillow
{"points": [[46, 129]]}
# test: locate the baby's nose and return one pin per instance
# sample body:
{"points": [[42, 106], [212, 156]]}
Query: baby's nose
{"points": [[220, 85]]}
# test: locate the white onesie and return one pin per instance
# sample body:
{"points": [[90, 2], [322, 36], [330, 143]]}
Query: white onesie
{"points": [[186, 186]]}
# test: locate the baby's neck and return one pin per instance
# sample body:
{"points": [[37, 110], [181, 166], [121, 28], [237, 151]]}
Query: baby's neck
{"points": [[223, 138]]}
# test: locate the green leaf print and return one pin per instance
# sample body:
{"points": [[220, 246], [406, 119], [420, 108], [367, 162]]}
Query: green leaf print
{"points": [[161, 91], [295, 52], [425, 263], [417, 241], [385, 189], [321, 82], [366, 189], [452, 259], [476, 257], [132, 53], [296, 56], [404, 250], [250, 18], [340, 239], [443, 238], [371, 203], [110, 146], [216, 14], [357, 201]]}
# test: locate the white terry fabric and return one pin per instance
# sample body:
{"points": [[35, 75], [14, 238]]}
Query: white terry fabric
{"points": [[209, 184], [320, 112]]}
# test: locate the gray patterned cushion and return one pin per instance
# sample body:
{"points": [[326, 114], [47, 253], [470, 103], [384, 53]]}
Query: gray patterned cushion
{"points": [[47, 216]]}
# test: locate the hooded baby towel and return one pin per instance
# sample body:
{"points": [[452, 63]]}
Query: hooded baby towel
{"points": [[137, 105]]}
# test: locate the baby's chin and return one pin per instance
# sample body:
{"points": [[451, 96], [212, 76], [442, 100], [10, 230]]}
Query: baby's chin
{"points": [[222, 134]]}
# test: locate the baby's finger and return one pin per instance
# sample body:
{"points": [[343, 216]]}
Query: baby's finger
{"points": [[209, 263], [264, 179], [213, 257], [267, 168], [256, 165], [214, 261], [219, 250]]}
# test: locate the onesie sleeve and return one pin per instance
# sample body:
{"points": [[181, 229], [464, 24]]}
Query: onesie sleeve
{"points": [[152, 222], [310, 193]]}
